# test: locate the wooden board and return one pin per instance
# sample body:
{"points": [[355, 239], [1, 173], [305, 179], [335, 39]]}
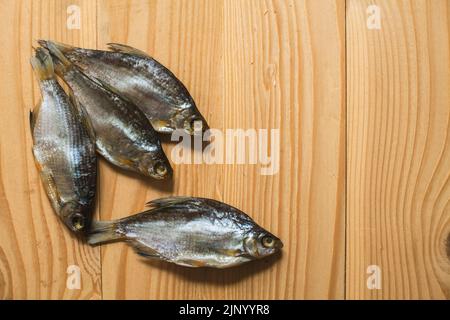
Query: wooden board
{"points": [[398, 149], [364, 160], [248, 64], [36, 250], [261, 65]]}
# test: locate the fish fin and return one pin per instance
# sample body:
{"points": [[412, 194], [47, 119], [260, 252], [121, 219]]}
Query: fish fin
{"points": [[162, 126], [64, 48], [145, 251], [106, 86], [191, 263], [103, 149], [233, 252], [42, 64], [127, 49], [33, 115], [166, 202], [104, 231], [62, 64], [49, 183], [31, 121]]}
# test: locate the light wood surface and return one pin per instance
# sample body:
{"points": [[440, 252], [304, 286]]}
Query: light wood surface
{"points": [[248, 64], [398, 213], [35, 248], [364, 166]]}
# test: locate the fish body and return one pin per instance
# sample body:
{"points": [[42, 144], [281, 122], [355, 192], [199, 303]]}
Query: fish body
{"points": [[63, 148], [193, 232], [141, 79], [123, 134]]}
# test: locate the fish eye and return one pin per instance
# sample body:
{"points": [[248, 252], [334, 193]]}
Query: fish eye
{"points": [[77, 222], [268, 242], [160, 169]]}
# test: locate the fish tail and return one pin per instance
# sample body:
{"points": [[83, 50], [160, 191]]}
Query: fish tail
{"points": [[64, 48], [62, 64], [42, 64], [104, 231]]}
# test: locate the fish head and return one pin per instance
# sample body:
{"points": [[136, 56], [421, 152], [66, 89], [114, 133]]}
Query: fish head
{"points": [[156, 165], [76, 217], [261, 243], [191, 121]]}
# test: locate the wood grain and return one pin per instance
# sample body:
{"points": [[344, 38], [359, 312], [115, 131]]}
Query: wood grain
{"points": [[248, 64], [399, 149], [364, 124], [35, 247]]}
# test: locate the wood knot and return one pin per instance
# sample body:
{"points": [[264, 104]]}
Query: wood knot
{"points": [[447, 246]]}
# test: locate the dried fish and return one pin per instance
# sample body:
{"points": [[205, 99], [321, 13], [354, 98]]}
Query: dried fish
{"points": [[193, 232], [141, 79], [63, 148], [123, 134]]}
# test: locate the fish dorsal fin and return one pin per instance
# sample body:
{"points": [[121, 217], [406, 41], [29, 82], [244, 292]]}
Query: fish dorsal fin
{"points": [[109, 88], [105, 86], [33, 115], [127, 49], [167, 202], [31, 121]]}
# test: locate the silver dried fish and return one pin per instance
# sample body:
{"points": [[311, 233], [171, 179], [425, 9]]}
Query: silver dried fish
{"points": [[193, 232], [123, 134], [141, 79], [63, 148]]}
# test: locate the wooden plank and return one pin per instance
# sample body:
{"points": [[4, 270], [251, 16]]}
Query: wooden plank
{"points": [[35, 248], [399, 149], [248, 64]]}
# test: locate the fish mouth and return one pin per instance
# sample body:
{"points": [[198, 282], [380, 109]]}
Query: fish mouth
{"points": [[197, 126], [158, 177], [279, 245], [192, 122]]}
